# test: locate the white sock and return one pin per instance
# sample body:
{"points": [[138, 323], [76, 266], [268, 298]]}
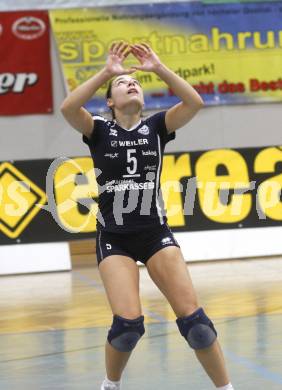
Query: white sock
{"points": [[227, 387], [107, 381]]}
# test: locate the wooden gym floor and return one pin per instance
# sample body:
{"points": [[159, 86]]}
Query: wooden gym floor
{"points": [[53, 328]]}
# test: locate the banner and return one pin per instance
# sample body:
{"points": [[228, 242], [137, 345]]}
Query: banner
{"points": [[231, 53], [25, 68], [45, 200]]}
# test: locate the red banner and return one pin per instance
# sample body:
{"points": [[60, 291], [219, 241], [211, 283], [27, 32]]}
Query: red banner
{"points": [[25, 67]]}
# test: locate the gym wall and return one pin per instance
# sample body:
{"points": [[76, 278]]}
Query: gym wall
{"points": [[238, 126]]}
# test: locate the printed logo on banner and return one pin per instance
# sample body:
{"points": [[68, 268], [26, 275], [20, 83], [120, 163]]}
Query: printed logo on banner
{"points": [[19, 200], [16, 82], [25, 76], [28, 28]]}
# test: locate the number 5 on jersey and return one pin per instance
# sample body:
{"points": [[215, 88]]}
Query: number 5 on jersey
{"points": [[131, 161]]}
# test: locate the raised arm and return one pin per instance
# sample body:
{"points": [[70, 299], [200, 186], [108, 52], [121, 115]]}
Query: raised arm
{"points": [[191, 102], [72, 107]]}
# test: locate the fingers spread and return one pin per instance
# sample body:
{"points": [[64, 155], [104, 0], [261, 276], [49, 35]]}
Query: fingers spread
{"points": [[139, 49], [116, 46], [121, 49], [146, 46], [126, 53], [141, 56], [112, 48]]}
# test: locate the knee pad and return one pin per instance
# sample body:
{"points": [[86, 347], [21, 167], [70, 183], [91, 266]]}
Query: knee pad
{"points": [[197, 329], [124, 334]]}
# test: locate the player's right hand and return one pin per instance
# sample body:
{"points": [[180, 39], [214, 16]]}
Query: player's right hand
{"points": [[117, 54]]}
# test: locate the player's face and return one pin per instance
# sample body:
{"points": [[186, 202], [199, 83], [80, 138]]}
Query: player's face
{"points": [[126, 91]]}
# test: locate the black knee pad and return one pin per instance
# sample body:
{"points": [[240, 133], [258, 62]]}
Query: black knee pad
{"points": [[197, 329], [124, 334]]}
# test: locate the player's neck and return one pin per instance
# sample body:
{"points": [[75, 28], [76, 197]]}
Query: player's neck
{"points": [[127, 121]]}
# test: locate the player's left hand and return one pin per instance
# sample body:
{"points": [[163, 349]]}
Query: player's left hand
{"points": [[148, 59]]}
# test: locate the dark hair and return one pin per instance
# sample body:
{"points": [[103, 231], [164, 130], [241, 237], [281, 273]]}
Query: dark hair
{"points": [[109, 95]]}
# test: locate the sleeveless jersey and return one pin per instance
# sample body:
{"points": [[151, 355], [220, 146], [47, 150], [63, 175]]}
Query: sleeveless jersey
{"points": [[128, 165]]}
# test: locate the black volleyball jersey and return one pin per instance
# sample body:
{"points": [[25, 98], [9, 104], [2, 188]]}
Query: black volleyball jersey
{"points": [[128, 166]]}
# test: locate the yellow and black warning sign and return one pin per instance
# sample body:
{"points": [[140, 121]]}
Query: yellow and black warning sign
{"points": [[20, 200], [47, 200]]}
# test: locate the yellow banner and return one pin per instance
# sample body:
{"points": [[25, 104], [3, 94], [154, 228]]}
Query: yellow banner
{"points": [[231, 53], [42, 201]]}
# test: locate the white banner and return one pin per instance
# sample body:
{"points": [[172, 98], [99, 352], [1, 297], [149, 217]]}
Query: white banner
{"points": [[230, 244], [30, 258]]}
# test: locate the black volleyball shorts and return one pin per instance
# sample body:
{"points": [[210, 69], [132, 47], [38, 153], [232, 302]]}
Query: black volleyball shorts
{"points": [[140, 246]]}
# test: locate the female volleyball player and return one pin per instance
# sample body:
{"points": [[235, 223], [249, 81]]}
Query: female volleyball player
{"points": [[131, 224]]}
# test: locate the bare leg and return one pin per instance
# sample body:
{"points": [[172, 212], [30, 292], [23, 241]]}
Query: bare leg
{"points": [[213, 362], [115, 362], [168, 270], [120, 276]]}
